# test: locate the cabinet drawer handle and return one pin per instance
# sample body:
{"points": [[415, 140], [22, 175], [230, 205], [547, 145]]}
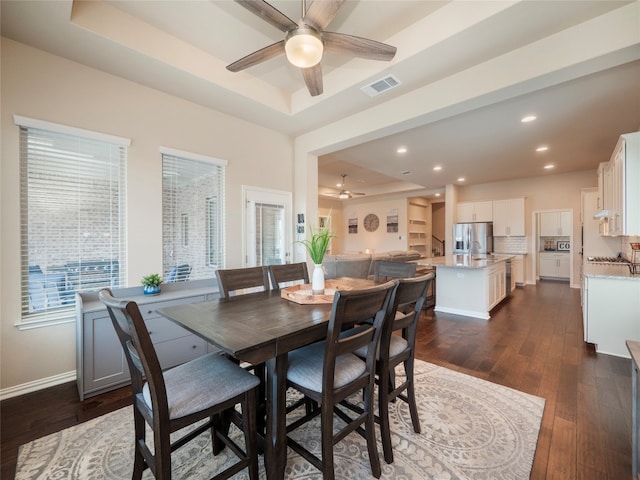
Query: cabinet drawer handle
{"points": [[194, 347], [150, 312]]}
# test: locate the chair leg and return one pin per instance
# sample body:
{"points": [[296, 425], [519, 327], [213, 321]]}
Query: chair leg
{"points": [[140, 433], [326, 428], [250, 430], [370, 428], [411, 395], [384, 388], [162, 455]]}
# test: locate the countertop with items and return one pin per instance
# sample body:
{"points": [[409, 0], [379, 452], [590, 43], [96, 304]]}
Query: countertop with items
{"points": [[620, 270], [464, 261]]}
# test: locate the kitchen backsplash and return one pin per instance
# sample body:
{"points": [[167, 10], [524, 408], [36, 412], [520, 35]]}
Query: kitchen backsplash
{"points": [[510, 244]]}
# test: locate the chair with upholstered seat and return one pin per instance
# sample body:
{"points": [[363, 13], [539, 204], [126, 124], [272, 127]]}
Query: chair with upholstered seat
{"points": [[386, 270], [328, 372], [206, 387], [238, 279], [288, 273], [397, 345]]}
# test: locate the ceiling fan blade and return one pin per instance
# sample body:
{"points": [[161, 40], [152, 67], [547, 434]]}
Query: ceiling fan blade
{"points": [[321, 12], [269, 14], [313, 78], [357, 46], [258, 56]]}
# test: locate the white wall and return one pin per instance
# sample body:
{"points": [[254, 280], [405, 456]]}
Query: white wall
{"points": [[42, 86]]}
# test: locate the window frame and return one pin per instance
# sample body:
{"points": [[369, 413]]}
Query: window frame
{"points": [[195, 222], [64, 313]]}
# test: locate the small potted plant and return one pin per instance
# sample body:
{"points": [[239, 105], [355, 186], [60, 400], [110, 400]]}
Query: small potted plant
{"points": [[316, 247], [151, 284]]}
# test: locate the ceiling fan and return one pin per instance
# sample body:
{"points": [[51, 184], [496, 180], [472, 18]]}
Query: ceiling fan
{"points": [[305, 42], [344, 193]]}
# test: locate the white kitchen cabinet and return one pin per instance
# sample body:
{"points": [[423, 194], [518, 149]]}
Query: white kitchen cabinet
{"points": [[610, 313], [508, 218], [475, 212], [100, 362], [555, 224], [554, 265], [517, 269], [618, 187], [471, 292]]}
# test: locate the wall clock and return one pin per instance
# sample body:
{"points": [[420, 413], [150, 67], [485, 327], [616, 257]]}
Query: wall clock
{"points": [[371, 222]]}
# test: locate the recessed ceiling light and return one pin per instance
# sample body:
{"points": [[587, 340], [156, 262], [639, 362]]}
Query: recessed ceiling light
{"points": [[437, 168], [437, 194], [338, 184], [461, 179], [528, 118], [542, 148], [549, 167], [401, 150]]}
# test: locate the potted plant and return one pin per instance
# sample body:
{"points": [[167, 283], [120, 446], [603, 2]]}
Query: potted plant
{"points": [[151, 284], [316, 247]]}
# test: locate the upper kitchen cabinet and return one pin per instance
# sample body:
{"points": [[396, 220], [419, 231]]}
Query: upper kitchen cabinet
{"points": [[624, 211], [475, 212], [555, 224], [508, 218]]}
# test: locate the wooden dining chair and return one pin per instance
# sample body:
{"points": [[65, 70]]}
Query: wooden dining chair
{"points": [[287, 274], [397, 345], [328, 372], [233, 280], [385, 270], [206, 387]]}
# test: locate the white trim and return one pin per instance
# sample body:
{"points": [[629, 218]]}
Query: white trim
{"points": [[40, 384], [192, 156], [68, 130]]}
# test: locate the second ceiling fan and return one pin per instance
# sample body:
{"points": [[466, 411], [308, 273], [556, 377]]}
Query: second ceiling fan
{"points": [[305, 42], [344, 193]]}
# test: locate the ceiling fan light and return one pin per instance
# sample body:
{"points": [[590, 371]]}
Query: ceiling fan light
{"points": [[343, 196], [303, 47]]}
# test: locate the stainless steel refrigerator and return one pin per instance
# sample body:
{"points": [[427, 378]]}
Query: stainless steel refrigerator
{"points": [[473, 238]]}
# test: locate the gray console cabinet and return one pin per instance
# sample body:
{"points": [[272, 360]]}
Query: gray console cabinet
{"points": [[100, 361]]}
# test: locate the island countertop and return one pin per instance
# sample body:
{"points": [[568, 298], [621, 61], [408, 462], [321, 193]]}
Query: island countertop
{"points": [[464, 261]]}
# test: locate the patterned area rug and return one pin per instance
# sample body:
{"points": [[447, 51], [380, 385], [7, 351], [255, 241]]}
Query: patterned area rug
{"points": [[471, 429]]}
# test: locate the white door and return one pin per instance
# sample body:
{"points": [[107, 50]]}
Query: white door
{"points": [[267, 226]]}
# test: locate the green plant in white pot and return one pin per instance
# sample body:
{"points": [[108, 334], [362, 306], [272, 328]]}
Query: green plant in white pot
{"points": [[151, 284], [316, 246]]}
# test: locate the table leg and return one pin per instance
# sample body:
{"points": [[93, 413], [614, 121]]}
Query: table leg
{"points": [[275, 445]]}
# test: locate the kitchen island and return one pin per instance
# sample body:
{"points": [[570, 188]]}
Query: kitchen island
{"points": [[469, 285]]}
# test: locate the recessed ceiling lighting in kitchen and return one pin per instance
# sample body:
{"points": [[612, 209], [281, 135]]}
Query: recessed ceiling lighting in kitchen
{"points": [[528, 118], [437, 194], [461, 179], [542, 148], [549, 166], [437, 168], [401, 150]]}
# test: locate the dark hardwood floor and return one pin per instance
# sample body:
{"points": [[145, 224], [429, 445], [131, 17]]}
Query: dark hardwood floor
{"points": [[532, 343]]}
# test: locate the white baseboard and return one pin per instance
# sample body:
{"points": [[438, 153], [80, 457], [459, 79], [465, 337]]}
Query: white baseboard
{"points": [[36, 385]]}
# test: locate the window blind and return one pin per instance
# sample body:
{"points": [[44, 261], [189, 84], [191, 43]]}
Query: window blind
{"points": [[73, 233], [193, 214]]}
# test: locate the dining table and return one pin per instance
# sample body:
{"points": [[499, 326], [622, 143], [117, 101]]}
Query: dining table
{"points": [[263, 327]]}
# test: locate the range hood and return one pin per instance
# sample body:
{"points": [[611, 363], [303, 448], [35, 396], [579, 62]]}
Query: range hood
{"points": [[601, 214]]}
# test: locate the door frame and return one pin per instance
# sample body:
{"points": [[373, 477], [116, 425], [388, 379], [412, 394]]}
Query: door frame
{"points": [[536, 243], [268, 194]]}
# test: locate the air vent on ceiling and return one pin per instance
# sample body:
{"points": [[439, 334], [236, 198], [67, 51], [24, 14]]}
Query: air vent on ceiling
{"points": [[382, 85]]}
